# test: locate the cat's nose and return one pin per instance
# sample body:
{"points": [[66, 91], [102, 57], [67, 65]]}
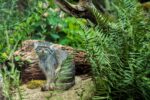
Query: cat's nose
{"points": [[42, 51]]}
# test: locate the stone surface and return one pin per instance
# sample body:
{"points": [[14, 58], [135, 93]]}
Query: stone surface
{"points": [[83, 88]]}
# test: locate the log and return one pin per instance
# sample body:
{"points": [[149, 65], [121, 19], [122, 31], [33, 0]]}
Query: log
{"points": [[26, 61]]}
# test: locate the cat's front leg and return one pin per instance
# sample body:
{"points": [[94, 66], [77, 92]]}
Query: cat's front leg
{"points": [[50, 85]]}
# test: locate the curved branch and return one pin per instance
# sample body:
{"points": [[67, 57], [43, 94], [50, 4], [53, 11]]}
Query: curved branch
{"points": [[79, 10]]}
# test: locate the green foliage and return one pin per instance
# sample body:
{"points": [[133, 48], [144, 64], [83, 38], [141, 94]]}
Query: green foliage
{"points": [[72, 30], [11, 82], [120, 53], [41, 24], [7, 20], [12, 28], [37, 20], [11, 17]]}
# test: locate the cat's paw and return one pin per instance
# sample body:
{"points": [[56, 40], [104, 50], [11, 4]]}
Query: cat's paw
{"points": [[47, 88]]}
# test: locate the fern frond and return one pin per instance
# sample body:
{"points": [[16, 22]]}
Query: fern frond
{"points": [[120, 58], [101, 19]]}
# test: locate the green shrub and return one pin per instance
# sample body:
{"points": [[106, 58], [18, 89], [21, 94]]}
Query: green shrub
{"points": [[11, 82], [119, 53], [72, 29]]}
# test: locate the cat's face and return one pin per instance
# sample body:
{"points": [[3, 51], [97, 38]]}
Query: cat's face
{"points": [[43, 49]]}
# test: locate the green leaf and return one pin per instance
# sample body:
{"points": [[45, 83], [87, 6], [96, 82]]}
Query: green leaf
{"points": [[17, 58], [55, 36], [64, 41]]}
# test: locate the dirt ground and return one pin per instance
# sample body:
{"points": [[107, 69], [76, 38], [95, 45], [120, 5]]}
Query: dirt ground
{"points": [[82, 90]]}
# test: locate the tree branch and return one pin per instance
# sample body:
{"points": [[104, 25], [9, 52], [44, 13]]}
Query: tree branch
{"points": [[81, 9]]}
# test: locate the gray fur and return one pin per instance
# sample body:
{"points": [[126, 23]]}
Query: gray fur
{"points": [[50, 61]]}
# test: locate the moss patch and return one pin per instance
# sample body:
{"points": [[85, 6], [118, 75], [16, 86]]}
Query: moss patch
{"points": [[35, 84]]}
